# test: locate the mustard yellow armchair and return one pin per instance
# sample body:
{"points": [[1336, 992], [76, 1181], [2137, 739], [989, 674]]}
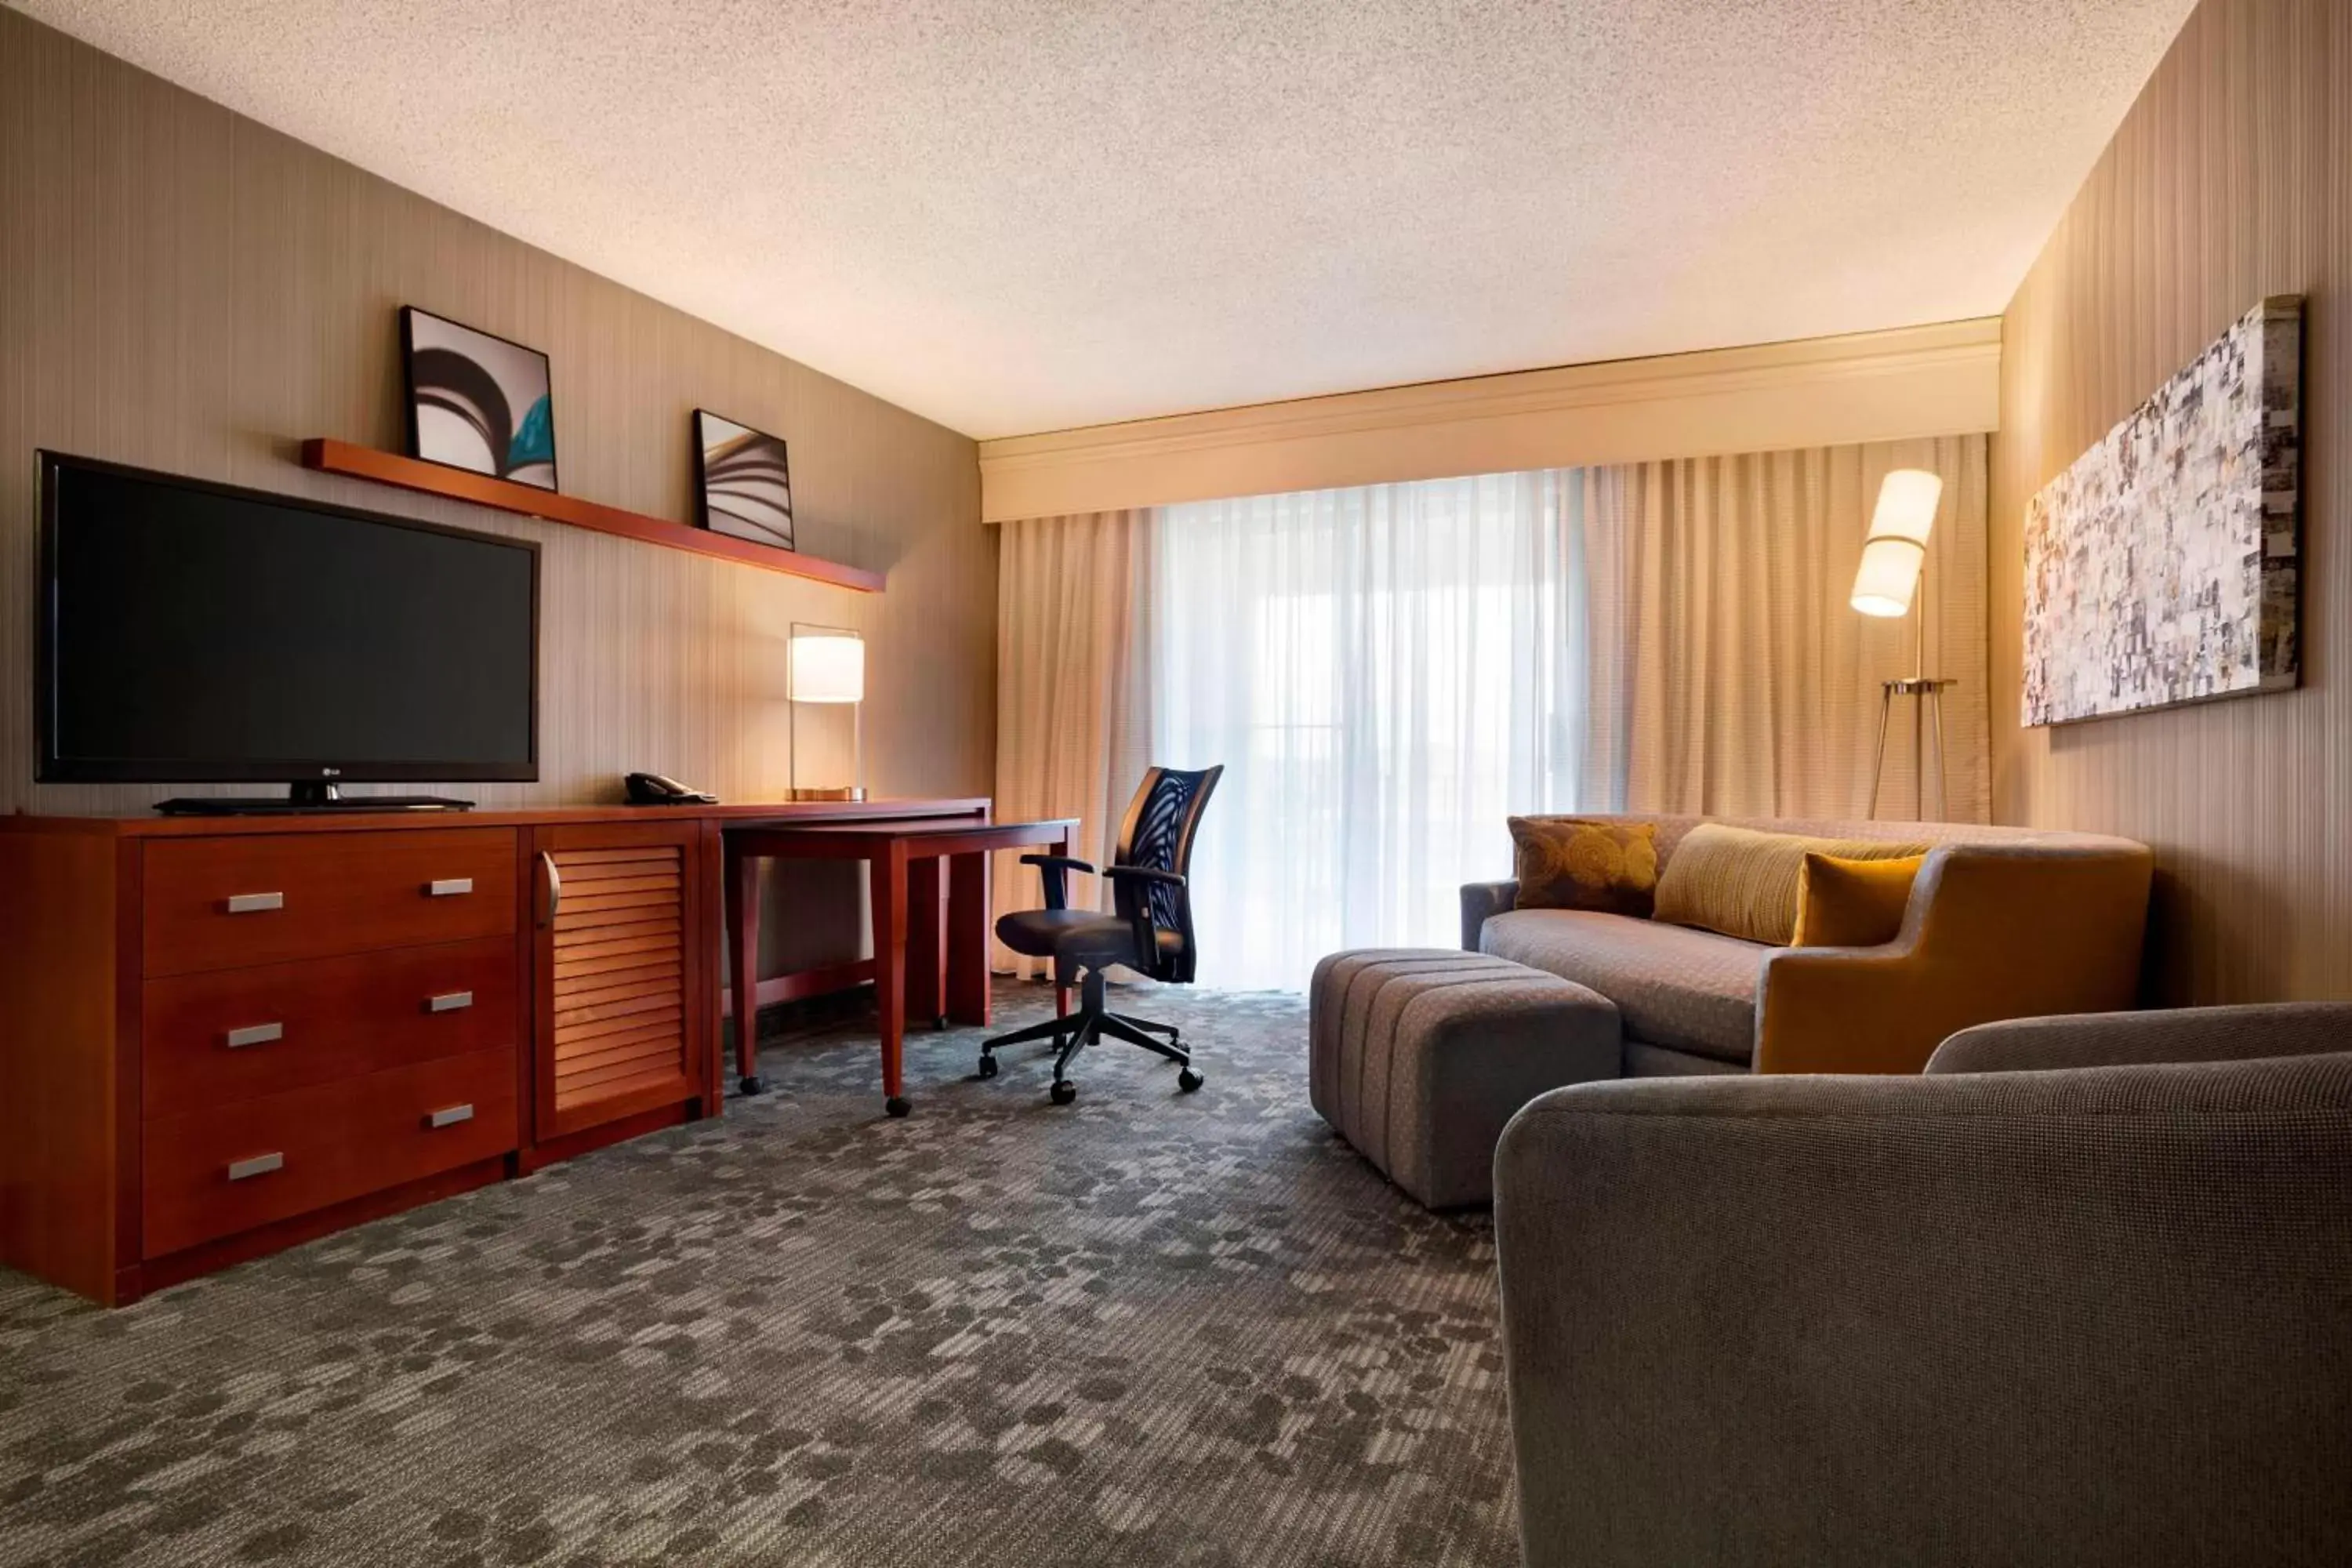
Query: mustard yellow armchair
{"points": [[1992, 932]]}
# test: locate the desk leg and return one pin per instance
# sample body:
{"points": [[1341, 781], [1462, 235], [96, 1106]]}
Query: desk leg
{"points": [[968, 938], [743, 963], [886, 876], [1061, 992], [925, 993]]}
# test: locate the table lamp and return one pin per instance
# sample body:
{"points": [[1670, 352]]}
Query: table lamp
{"points": [[1887, 585], [827, 665]]}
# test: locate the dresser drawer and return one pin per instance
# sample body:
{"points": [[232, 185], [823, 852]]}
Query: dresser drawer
{"points": [[228, 1035], [232, 903], [210, 1173]]}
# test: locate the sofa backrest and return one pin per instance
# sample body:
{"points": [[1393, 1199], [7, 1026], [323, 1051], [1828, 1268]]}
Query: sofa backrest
{"points": [[1671, 829]]}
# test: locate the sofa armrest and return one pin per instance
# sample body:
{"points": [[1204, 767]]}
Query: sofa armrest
{"points": [[2095, 1317], [1480, 900], [1992, 932], [2122, 1039]]}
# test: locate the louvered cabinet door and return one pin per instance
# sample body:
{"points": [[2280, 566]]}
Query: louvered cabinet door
{"points": [[621, 995]]}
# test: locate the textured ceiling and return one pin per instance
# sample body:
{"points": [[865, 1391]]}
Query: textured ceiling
{"points": [[1016, 215]]}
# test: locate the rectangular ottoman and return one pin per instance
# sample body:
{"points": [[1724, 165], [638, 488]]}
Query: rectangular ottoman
{"points": [[1418, 1056]]}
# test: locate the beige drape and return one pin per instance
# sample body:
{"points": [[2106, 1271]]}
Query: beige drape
{"points": [[1730, 674], [1072, 699]]}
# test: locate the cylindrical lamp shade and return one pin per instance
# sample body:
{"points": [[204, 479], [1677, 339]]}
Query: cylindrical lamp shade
{"points": [[1889, 571], [1897, 546], [827, 667], [1907, 505]]}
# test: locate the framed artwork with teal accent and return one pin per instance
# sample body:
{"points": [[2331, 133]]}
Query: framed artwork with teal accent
{"points": [[477, 402]]}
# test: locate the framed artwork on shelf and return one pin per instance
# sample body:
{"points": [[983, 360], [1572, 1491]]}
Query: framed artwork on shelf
{"points": [[742, 483], [477, 402]]}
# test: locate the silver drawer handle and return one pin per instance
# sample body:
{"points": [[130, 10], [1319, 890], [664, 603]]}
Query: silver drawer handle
{"points": [[254, 1035], [259, 1165], [449, 1002], [449, 1116], [448, 887], [254, 903]]}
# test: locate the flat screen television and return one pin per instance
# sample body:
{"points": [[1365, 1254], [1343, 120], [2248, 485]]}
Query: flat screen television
{"points": [[193, 632]]}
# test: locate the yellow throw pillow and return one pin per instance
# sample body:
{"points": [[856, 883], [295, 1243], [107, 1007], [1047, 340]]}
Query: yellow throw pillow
{"points": [[1568, 863], [1853, 903], [1743, 883]]}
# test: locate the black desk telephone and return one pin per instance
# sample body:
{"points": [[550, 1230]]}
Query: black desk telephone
{"points": [[653, 789]]}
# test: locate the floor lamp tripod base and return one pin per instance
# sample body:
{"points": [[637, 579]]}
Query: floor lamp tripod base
{"points": [[1928, 692]]}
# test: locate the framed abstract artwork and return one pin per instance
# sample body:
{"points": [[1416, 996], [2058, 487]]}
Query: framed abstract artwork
{"points": [[477, 402], [742, 484], [2164, 567]]}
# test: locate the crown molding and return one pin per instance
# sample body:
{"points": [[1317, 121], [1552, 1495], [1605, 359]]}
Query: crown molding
{"points": [[1912, 382]]}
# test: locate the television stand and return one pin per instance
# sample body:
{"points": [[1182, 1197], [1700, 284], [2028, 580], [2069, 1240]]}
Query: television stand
{"points": [[307, 797]]}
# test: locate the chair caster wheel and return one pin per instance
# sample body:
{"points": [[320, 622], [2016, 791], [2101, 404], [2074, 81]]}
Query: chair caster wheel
{"points": [[1188, 1081], [1064, 1092], [898, 1106], [988, 1066], [750, 1085]]}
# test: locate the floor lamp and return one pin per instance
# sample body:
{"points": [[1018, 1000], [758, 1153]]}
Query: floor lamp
{"points": [[1887, 584]]}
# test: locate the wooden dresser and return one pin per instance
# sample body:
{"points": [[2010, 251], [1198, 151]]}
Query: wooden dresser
{"points": [[223, 1037]]}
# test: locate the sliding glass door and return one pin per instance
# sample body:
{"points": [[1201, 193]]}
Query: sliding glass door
{"points": [[1387, 674]]}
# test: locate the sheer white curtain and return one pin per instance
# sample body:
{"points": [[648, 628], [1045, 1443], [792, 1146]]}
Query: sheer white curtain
{"points": [[1386, 673]]}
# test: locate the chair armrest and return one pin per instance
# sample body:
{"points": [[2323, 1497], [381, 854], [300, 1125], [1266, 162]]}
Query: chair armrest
{"points": [[2123, 1039], [1480, 900], [1992, 932], [1054, 870], [2098, 1317], [1067, 862], [1143, 874]]}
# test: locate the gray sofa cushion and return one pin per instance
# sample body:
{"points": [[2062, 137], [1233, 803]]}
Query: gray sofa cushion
{"points": [[1691, 990], [2091, 1318]]}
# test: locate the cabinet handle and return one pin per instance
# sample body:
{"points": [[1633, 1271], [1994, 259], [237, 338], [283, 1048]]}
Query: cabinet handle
{"points": [[554, 889], [448, 887], [449, 1116], [449, 1002], [254, 1035], [259, 1165], [254, 903]]}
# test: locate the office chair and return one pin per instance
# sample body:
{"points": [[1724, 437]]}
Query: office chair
{"points": [[1149, 929]]}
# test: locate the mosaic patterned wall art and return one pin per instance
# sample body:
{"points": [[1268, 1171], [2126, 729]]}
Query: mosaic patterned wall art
{"points": [[2162, 567]]}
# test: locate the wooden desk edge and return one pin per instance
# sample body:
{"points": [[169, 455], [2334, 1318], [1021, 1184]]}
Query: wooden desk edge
{"points": [[148, 825]]}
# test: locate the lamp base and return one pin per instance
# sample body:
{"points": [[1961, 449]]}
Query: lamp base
{"points": [[846, 792]]}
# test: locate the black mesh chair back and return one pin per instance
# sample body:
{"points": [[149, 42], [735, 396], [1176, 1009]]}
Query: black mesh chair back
{"points": [[1162, 822]]}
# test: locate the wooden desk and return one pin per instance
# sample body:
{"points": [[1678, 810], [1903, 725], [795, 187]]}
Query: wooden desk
{"points": [[914, 970]]}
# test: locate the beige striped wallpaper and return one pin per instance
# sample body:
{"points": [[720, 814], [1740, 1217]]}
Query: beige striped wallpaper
{"points": [[183, 288], [2231, 180]]}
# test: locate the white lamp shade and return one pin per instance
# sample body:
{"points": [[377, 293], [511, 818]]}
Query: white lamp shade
{"points": [[1897, 546], [827, 667], [1907, 505], [1889, 571]]}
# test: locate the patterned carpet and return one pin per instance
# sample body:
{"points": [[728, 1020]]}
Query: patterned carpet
{"points": [[1145, 1329]]}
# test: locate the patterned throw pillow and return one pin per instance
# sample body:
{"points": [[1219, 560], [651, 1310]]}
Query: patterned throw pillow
{"points": [[1853, 903], [1568, 863], [1743, 883]]}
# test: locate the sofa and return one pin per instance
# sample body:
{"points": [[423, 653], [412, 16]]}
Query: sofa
{"points": [[2080, 1294], [2003, 922]]}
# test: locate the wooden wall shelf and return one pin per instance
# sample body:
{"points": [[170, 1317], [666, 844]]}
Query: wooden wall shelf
{"points": [[334, 456]]}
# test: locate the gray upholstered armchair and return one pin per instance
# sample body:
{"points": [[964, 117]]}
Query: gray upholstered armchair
{"points": [[2080, 1294]]}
